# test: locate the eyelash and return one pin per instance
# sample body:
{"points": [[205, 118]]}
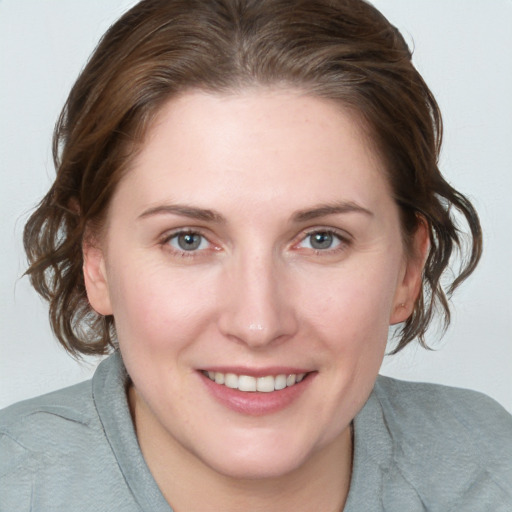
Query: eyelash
{"points": [[165, 242], [343, 242], [342, 238]]}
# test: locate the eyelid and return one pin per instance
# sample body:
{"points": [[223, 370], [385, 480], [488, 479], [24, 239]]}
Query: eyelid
{"points": [[323, 229], [345, 239], [340, 233], [166, 237]]}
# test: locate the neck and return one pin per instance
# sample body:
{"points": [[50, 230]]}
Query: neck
{"points": [[321, 483]]}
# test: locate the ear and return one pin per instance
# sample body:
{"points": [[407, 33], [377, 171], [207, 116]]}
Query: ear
{"points": [[95, 277], [409, 285]]}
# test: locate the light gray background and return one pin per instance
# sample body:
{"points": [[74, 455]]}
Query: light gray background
{"points": [[462, 47]]}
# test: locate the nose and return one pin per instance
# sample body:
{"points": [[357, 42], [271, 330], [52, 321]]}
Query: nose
{"points": [[257, 307]]}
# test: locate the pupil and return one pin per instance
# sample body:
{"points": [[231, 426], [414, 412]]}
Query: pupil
{"points": [[321, 240], [189, 241]]}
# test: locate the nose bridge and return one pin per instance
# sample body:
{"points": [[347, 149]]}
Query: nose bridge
{"points": [[259, 310]]}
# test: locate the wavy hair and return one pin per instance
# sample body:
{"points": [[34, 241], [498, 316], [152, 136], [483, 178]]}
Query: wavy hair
{"points": [[344, 50]]}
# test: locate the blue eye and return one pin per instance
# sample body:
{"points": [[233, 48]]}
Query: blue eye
{"points": [[188, 242], [321, 241]]}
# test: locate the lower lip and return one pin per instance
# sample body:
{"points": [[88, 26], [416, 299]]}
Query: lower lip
{"points": [[254, 403]]}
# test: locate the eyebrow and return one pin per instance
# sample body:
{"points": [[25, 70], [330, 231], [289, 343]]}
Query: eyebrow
{"points": [[184, 211], [208, 215], [323, 210]]}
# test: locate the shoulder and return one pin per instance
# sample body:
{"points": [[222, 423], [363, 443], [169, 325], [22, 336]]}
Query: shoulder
{"points": [[56, 417], [449, 442], [40, 436], [46, 424], [55, 449], [443, 406], [30, 421]]}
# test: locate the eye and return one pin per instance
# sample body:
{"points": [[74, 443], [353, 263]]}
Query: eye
{"points": [[188, 241], [322, 240]]}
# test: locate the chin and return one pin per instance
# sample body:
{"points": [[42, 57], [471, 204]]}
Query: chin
{"points": [[247, 467], [260, 455]]}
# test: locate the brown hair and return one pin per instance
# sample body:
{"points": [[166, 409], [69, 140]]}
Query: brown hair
{"points": [[339, 49]]}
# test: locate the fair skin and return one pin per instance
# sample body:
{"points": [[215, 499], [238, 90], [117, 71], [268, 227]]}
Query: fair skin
{"points": [[255, 235]]}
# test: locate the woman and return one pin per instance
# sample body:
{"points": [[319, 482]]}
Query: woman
{"points": [[247, 197]]}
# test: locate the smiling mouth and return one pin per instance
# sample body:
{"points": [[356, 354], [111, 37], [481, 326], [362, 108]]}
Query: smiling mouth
{"points": [[266, 384]]}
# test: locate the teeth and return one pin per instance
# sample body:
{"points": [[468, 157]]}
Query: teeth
{"points": [[265, 384], [246, 383], [280, 382], [230, 380]]}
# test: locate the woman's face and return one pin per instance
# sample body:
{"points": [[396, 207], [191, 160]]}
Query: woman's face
{"points": [[254, 242]]}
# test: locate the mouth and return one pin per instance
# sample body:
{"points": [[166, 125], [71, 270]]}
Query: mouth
{"points": [[263, 392], [248, 383]]}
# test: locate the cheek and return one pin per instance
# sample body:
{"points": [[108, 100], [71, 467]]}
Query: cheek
{"points": [[160, 307], [352, 304]]}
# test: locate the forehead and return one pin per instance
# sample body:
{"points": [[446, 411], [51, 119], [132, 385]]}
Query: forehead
{"points": [[255, 145]]}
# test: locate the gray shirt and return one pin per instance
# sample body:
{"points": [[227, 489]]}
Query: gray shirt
{"points": [[418, 447]]}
